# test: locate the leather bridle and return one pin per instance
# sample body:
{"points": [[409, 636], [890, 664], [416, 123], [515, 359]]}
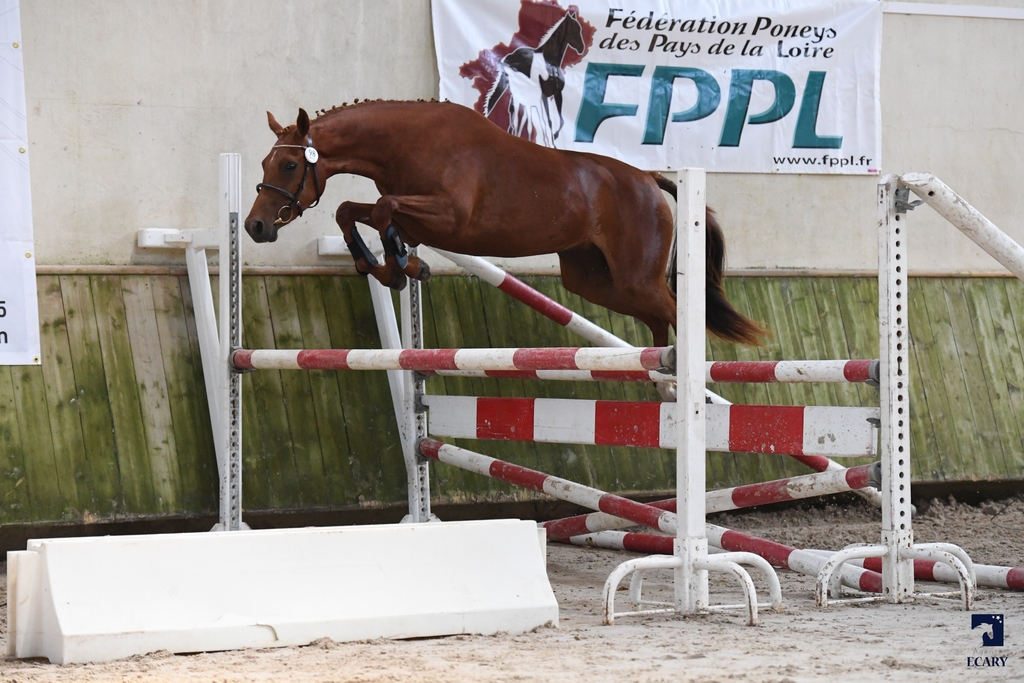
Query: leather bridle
{"points": [[293, 207]]}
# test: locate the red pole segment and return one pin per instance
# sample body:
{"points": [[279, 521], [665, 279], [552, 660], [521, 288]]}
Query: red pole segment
{"points": [[563, 489], [599, 359], [546, 306], [622, 540]]}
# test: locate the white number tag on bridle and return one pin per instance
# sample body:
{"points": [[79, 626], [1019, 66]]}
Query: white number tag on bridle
{"points": [[311, 155]]}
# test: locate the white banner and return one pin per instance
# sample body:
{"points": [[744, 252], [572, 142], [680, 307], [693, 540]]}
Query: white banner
{"points": [[19, 308], [746, 86]]}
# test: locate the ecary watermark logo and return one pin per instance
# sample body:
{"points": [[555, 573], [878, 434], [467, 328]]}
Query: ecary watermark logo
{"points": [[992, 635]]}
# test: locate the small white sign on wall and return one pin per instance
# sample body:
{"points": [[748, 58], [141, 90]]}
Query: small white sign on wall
{"points": [[19, 308]]}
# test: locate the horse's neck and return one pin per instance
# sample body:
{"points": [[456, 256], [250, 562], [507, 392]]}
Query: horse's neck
{"points": [[554, 47], [355, 141]]}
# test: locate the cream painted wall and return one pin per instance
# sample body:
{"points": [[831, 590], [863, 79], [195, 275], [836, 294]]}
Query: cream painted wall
{"points": [[130, 103]]}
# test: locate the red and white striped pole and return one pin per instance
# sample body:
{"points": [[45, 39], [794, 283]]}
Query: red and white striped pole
{"points": [[801, 561], [790, 372], [563, 489], [561, 375], [990, 576], [737, 497], [793, 371], [794, 488], [778, 430], [571, 358]]}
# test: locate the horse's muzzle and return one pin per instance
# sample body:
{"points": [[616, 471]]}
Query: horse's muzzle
{"points": [[260, 231]]}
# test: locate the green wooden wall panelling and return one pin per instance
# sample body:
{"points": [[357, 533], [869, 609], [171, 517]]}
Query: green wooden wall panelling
{"points": [[115, 422], [92, 398]]}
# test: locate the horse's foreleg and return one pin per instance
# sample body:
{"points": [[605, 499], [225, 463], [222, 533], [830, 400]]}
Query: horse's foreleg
{"points": [[429, 211], [348, 214]]}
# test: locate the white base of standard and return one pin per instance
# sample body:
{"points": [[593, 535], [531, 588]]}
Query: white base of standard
{"points": [[97, 599]]}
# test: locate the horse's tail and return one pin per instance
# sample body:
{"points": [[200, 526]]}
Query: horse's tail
{"points": [[721, 318]]}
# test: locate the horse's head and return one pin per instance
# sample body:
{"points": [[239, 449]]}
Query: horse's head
{"points": [[291, 182], [574, 32], [565, 33]]}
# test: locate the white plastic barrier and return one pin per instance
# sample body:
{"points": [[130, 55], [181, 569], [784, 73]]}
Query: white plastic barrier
{"points": [[98, 599]]}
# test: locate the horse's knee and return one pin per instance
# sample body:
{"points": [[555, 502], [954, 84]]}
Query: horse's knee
{"points": [[343, 214]]}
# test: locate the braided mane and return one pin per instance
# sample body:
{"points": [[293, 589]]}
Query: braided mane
{"points": [[345, 106]]}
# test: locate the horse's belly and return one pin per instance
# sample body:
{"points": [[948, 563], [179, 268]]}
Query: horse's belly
{"points": [[512, 237]]}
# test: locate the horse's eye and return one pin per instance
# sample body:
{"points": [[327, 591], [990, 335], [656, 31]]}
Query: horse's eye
{"points": [[290, 166]]}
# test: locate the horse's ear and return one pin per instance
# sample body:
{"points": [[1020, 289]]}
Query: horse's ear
{"points": [[276, 127], [302, 123]]}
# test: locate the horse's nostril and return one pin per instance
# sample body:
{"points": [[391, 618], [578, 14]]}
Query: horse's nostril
{"points": [[256, 228]]}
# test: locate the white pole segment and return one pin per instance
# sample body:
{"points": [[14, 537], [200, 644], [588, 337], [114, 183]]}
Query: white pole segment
{"points": [[390, 339], [691, 585], [206, 330], [967, 219]]}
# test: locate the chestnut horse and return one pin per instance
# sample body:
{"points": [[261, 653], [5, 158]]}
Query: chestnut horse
{"points": [[451, 179]]}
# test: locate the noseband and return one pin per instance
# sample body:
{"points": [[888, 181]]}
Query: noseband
{"points": [[293, 208]]}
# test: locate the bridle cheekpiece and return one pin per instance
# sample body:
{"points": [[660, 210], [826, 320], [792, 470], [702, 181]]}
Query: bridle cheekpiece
{"points": [[294, 208]]}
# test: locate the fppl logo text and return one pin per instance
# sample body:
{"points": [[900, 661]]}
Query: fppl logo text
{"points": [[594, 109]]}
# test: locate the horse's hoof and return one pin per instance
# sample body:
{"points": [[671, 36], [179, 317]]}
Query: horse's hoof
{"points": [[667, 391], [399, 281], [424, 273]]}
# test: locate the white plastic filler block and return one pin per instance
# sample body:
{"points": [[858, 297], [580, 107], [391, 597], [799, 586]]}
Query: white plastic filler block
{"points": [[98, 599]]}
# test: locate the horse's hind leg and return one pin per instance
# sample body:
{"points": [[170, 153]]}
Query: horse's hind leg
{"points": [[585, 271]]}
